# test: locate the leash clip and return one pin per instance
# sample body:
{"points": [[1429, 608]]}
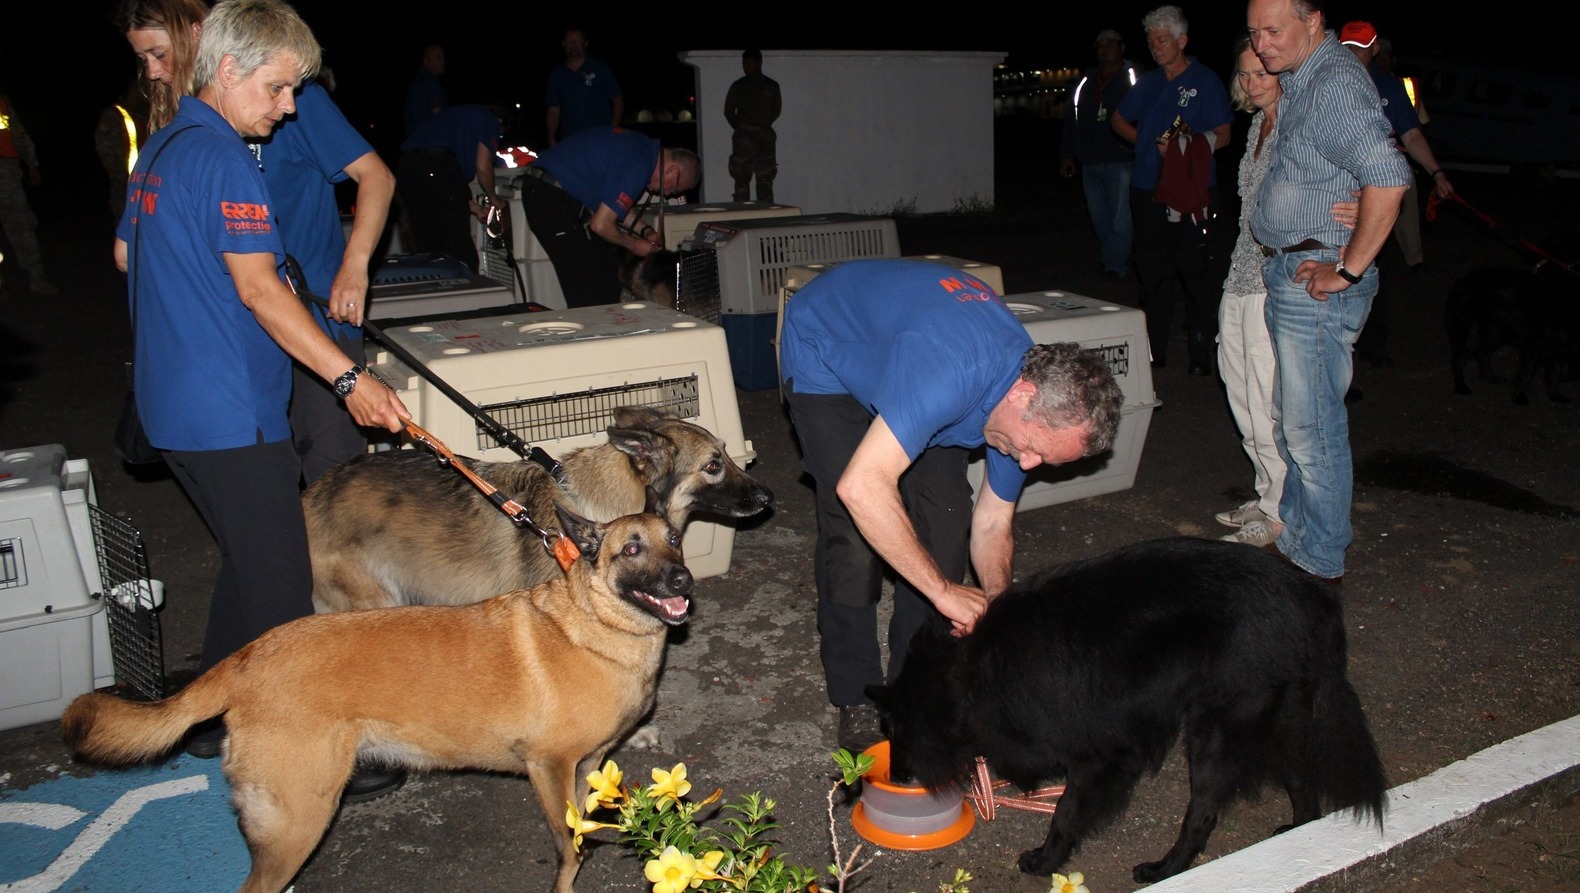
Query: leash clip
{"points": [[563, 550]]}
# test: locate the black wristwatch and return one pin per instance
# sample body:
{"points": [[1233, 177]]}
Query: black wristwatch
{"points": [[1349, 277], [347, 382]]}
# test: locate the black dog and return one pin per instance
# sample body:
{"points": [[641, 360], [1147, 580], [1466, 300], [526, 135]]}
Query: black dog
{"points": [[1089, 671], [1537, 312]]}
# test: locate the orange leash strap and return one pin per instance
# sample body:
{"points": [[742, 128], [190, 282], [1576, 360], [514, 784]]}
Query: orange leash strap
{"points": [[558, 544]]}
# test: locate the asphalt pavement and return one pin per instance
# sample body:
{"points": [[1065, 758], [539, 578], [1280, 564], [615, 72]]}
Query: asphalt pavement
{"points": [[1461, 598]]}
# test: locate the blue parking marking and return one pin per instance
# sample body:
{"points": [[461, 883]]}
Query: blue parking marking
{"points": [[149, 829]]}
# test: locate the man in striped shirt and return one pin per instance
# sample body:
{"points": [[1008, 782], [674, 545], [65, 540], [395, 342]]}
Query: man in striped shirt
{"points": [[1320, 275]]}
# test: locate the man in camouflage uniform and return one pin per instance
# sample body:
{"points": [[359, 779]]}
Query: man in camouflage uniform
{"points": [[16, 215], [752, 107]]}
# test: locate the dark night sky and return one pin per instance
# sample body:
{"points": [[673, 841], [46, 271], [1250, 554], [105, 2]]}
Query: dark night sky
{"points": [[63, 68]]}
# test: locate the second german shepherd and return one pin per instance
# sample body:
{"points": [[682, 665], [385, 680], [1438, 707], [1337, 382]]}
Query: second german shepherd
{"points": [[652, 278], [396, 528], [538, 682]]}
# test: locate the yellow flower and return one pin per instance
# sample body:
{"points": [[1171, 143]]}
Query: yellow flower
{"points": [[672, 784], [605, 785], [1075, 883], [580, 826], [708, 867], [673, 871]]}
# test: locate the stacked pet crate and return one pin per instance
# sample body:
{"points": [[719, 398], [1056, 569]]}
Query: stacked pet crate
{"points": [[753, 258], [681, 221], [1120, 335], [554, 377], [531, 277], [411, 285], [77, 608]]}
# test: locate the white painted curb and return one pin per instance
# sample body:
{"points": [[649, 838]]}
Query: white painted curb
{"points": [[1302, 856]]}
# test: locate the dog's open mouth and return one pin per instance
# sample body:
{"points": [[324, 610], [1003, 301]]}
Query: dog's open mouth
{"points": [[672, 610]]}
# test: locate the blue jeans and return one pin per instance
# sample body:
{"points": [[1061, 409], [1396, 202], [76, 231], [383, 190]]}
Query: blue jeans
{"points": [[1312, 343], [1108, 201]]}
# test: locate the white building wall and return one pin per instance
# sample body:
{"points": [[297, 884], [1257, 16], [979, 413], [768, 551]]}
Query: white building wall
{"points": [[861, 131]]}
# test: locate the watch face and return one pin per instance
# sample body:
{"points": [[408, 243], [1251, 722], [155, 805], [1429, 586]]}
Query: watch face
{"points": [[347, 382]]}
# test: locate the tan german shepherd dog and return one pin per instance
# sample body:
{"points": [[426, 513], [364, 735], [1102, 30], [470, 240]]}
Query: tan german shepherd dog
{"points": [[538, 682], [396, 528]]}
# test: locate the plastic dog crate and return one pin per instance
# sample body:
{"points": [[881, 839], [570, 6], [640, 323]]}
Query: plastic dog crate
{"points": [[554, 377], [681, 221], [753, 257], [57, 640], [1120, 334], [537, 281], [410, 285]]}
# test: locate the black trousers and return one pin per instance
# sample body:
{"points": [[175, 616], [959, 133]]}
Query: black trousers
{"points": [[849, 574], [323, 431], [1175, 258], [587, 266], [251, 499], [437, 201]]}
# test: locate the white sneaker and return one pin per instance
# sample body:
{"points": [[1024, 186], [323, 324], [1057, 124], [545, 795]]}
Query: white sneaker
{"points": [[1253, 533], [1241, 514]]}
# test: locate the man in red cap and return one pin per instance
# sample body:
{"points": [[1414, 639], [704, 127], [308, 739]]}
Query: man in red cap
{"points": [[1360, 38]]}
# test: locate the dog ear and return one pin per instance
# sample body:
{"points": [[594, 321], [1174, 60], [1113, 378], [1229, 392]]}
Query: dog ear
{"points": [[643, 446], [652, 505], [636, 417], [587, 535]]}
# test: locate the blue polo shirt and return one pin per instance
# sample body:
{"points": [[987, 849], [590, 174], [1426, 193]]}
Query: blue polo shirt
{"points": [[603, 165], [1196, 94], [583, 96], [302, 161], [927, 347], [1396, 105], [459, 128], [208, 376], [425, 94]]}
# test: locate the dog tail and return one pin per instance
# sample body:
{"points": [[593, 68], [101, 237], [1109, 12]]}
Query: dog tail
{"points": [[113, 730], [1349, 772]]}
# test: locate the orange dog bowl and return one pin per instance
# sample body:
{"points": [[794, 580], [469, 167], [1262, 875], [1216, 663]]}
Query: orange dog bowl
{"points": [[902, 817]]}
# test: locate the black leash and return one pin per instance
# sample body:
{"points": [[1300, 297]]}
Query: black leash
{"points": [[507, 437]]}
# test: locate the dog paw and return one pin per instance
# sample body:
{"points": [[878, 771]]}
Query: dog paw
{"points": [[647, 737], [1037, 862], [1148, 873]]}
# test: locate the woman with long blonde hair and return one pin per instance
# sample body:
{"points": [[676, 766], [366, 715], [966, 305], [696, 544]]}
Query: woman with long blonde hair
{"points": [[164, 35]]}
